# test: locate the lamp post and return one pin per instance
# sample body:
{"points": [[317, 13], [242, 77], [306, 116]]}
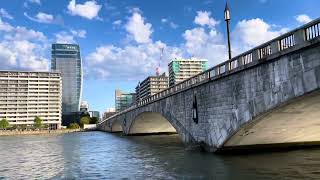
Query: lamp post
{"points": [[227, 19]]}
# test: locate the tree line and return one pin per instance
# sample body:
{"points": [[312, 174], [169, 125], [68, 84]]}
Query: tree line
{"points": [[38, 123]]}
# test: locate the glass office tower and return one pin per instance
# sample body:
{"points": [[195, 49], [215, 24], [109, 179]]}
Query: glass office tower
{"points": [[66, 59]]}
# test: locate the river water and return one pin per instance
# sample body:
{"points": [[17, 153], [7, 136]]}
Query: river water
{"points": [[99, 155]]}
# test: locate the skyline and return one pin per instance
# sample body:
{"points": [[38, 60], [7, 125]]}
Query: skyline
{"points": [[130, 50]]}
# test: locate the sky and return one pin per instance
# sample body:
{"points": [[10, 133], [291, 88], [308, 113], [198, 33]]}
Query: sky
{"points": [[120, 41]]}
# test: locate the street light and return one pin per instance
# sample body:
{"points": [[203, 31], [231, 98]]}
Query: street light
{"points": [[227, 19]]}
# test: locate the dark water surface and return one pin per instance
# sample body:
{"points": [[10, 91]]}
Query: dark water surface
{"points": [[99, 155]]}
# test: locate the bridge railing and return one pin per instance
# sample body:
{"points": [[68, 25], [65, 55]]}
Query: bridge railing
{"points": [[281, 44]]}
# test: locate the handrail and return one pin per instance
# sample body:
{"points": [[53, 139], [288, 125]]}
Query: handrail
{"points": [[290, 39]]}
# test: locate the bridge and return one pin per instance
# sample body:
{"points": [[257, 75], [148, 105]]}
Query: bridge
{"points": [[266, 96]]}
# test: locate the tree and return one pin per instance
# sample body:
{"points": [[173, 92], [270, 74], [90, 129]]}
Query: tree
{"points": [[4, 124], [94, 120], [37, 122], [74, 126], [84, 120]]}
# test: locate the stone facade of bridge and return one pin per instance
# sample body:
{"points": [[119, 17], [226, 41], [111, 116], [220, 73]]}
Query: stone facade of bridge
{"points": [[229, 100]]}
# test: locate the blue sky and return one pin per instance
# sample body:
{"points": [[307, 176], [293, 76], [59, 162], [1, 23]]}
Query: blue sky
{"points": [[120, 40]]}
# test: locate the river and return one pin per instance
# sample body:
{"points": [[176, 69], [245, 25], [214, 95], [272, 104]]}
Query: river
{"points": [[99, 155]]}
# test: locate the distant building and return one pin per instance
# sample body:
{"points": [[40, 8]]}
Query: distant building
{"points": [[67, 60], [124, 100], [25, 95], [94, 114], [84, 106], [151, 85], [181, 69], [112, 109], [109, 112]]}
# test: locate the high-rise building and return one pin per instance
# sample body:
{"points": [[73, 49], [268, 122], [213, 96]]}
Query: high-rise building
{"points": [[151, 85], [124, 100], [84, 106], [25, 95], [181, 69], [67, 60]]}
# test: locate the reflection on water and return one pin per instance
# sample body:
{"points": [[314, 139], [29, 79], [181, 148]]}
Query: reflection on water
{"points": [[98, 155]]}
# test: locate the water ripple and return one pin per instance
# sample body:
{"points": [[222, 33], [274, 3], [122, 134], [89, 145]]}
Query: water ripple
{"points": [[98, 155]]}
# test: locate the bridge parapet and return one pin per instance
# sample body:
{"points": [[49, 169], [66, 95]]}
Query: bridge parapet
{"points": [[284, 44]]}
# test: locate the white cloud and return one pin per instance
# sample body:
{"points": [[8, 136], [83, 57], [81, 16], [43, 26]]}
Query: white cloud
{"points": [[132, 62], [303, 19], [7, 57], [45, 18], [117, 22], [173, 25], [41, 17], [207, 44], [89, 10], [27, 2], [170, 23], [35, 1], [79, 33], [64, 37], [5, 26], [5, 14], [253, 32], [22, 48], [136, 61], [138, 29], [132, 9], [203, 18], [164, 20], [22, 33], [69, 37]]}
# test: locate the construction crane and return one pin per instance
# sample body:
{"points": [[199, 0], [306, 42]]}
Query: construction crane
{"points": [[158, 68]]}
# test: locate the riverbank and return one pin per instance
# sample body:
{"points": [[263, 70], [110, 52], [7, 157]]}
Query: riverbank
{"points": [[31, 132]]}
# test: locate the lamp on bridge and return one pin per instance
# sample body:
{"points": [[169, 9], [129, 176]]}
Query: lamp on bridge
{"points": [[227, 19]]}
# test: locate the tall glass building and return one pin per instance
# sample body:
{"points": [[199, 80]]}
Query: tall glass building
{"points": [[67, 60], [124, 100]]}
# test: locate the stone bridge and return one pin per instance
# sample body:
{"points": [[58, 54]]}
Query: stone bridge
{"points": [[266, 96]]}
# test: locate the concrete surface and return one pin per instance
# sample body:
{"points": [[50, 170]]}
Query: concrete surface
{"points": [[149, 122], [295, 121]]}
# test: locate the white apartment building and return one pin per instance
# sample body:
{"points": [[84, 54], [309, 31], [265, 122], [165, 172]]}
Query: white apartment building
{"points": [[150, 86], [181, 69], [25, 95]]}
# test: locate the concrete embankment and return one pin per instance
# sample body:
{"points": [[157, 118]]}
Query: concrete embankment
{"points": [[15, 133]]}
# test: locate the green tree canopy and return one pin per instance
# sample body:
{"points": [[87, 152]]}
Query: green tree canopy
{"points": [[4, 124], [37, 122], [74, 126], [84, 120], [94, 120]]}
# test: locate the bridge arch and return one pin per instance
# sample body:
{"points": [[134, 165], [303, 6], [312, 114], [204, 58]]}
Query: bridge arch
{"points": [[116, 126], [151, 123]]}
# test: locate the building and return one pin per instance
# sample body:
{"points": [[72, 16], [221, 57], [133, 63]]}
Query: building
{"points": [[109, 112], [25, 95], [84, 106], [181, 69], [151, 85], [66, 59], [124, 100], [94, 114]]}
